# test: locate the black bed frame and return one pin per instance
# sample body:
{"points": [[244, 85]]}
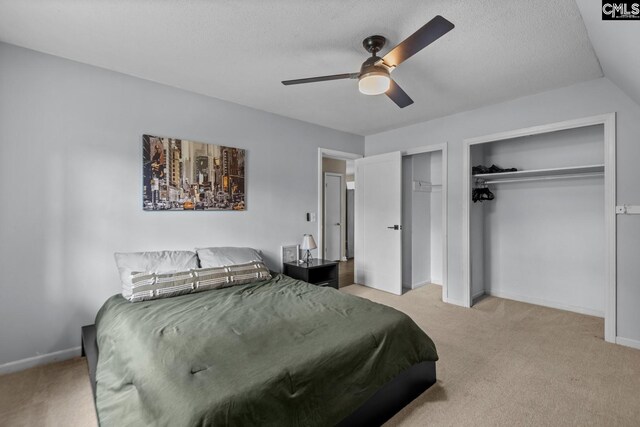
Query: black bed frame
{"points": [[380, 407]]}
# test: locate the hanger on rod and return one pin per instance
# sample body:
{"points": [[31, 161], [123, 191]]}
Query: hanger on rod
{"points": [[481, 192]]}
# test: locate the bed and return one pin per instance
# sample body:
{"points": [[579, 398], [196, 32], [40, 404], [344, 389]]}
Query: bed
{"points": [[271, 353]]}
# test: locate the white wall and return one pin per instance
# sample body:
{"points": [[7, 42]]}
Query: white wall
{"points": [[407, 222], [544, 241], [622, 69], [421, 221], [476, 233], [585, 99], [71, 178], [436, 218]]}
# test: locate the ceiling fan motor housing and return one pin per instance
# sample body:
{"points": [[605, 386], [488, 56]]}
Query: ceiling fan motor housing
{"points": [[373, 66]]}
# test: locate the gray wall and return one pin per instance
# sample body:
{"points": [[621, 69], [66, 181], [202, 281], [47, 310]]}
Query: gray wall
{"points": [[70, 185], [585, 99]]}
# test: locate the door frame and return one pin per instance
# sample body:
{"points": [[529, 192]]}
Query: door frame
{"points": [[333, 154], [609, 123], [445, 202], [342, 201]]}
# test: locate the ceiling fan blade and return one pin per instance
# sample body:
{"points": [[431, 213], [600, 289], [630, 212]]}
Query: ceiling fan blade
{"points": [[430, 32], [398, 95], [321, 79]]}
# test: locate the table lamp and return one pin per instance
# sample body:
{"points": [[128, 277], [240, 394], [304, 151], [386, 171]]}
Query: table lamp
{"points": [[307, 245]]}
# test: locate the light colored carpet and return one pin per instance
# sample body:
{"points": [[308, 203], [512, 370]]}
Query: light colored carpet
{"points": [[502, 363], [506, 363], [57, 395]]}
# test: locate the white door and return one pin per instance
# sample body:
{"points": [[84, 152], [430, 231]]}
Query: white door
{"points": [[332, 216], [378, 211]]}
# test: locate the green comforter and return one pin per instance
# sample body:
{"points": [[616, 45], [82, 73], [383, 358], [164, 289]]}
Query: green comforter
{"points": [[273, 353]]}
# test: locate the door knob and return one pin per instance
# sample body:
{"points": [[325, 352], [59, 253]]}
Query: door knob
{"points": [[337, 223], [395, 227]]}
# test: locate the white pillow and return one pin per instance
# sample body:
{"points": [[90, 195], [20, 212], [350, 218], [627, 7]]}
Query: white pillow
{"points": [[152, 262], [219, 257]]}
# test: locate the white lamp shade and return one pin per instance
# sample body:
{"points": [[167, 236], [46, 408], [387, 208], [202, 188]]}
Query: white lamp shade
{"points": [[374, 84], [308, 243]]}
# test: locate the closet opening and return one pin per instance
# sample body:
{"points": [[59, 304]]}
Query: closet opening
{"points": [[423, 219], [538, 214]]}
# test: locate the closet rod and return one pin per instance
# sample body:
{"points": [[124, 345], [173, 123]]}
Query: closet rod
{"points": [[628, 210], [541, 178]]}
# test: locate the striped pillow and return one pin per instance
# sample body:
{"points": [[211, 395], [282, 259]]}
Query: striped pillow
{"points": [[147, 286], [222, 277]]}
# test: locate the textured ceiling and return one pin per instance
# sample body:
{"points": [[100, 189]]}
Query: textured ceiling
{"points": [[616, 44], [241, 50]]}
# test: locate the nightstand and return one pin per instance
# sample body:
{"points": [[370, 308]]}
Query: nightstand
{"points": [[318, 272]]}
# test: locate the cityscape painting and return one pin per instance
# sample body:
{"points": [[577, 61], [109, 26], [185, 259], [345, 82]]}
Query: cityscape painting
{"points": [[186, 175]]}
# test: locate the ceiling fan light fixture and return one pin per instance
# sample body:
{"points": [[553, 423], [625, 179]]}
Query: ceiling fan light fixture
{"points": [[373, 78], [374, 83]]}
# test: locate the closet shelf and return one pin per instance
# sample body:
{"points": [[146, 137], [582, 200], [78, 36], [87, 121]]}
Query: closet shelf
{"points": [[541, 174]]}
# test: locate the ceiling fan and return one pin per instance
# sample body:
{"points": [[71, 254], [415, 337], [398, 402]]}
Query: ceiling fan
{"points": [[374, 76]]}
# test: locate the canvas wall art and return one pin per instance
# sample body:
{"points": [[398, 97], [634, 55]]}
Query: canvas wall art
{"points": [[185, 175]]}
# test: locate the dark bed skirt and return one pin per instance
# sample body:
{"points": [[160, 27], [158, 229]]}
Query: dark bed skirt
{"points": [[393, 396], [380, 407]]}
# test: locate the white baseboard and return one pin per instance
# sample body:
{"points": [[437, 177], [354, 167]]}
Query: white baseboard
{"points": [[628, 342], [543, 302], [477, 295], [419, 285], [454, 301], [41, 359]]}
